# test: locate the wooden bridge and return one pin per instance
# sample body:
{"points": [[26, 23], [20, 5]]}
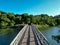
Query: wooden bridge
{"points": [[29, 35]]}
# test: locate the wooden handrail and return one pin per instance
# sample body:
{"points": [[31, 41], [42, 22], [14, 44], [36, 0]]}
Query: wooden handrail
{"points": [[41, 38], [18, 37]]}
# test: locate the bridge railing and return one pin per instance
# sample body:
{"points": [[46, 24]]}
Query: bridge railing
{"points": [[19, 36], [41, 38]]}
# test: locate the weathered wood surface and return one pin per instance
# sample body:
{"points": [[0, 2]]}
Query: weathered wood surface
{"points": [[30, 35]]}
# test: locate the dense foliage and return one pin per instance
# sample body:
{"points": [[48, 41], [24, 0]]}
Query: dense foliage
{"points": [[10, 19]]}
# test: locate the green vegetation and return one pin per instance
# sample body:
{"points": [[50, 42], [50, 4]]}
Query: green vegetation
{"points": [[43, 20], [41, 27], [6, 31], [57, 38]]}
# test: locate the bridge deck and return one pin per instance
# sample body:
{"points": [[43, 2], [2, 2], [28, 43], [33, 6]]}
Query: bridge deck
{"points": [[28, 37]]}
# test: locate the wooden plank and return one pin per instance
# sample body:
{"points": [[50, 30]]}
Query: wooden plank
{"points": [[32, 41], [24, 41], [28, 37]]}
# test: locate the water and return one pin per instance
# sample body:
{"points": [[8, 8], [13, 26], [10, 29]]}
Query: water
{"points": [[48, 33], [7, 35]]}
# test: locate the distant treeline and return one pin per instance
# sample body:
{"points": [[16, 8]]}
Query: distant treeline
{"points": [[10, 19]]}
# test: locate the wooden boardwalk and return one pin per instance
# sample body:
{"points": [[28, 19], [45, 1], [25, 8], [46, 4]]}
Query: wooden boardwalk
{"points": [[30, 35]]}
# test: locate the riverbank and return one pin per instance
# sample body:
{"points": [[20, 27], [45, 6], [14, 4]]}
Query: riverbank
{"points": [[6, 31], [42, 27], [8, 34], [11, 29]]}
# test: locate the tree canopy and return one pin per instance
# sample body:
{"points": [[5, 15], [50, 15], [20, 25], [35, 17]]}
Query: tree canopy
{"points": [[10, 19]]}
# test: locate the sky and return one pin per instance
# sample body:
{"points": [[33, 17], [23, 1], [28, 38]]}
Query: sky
{"points": [[50, 7]]}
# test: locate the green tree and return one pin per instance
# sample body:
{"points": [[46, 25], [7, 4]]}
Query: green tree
{"points": [[12, 23], [11, 16], [18, 19], [3, 24]]}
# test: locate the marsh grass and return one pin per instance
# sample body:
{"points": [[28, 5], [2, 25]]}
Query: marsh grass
{"points": [[6, 31], [42, 27]]}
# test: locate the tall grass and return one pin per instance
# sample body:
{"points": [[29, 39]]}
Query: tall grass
{"points": [[45, 26]]}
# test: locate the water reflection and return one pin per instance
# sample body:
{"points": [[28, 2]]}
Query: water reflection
{"points": [[57, 38], [51, 34], [7, 35]]}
